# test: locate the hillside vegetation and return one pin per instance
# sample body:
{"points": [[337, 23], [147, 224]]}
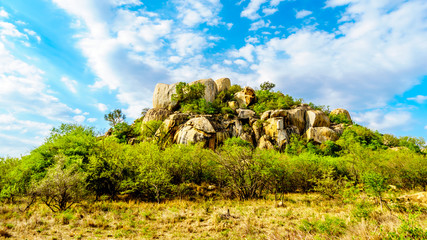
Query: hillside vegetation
{"points": [[140, 182]]}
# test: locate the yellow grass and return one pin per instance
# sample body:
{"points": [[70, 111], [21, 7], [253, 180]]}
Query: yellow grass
{"points": [[299, 216]]}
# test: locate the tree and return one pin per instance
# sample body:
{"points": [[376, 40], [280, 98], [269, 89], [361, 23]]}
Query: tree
{"points": [[267, 86], [62, 187], [115, 117]]}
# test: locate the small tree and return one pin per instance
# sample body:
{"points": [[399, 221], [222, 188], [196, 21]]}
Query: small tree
{"points": [[62, 187], [375, 184], [267, 86], [115, 117]]}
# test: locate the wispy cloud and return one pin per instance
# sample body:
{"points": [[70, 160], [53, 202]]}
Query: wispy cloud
{"points": [[70, 84], [419, 99], [303, 14]]}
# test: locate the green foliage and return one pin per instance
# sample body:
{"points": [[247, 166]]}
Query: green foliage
{"points": [[149, 129], [339, 118], [107, 168], [365, 137], [267, 86], [328, 185], [236, 141], [123, 132], [412, 143], [115, 117], [409, 229], [268, 100], [245, 173], [62, 187], [330, 148], [332, 226], [390, 140], [375, 184]]}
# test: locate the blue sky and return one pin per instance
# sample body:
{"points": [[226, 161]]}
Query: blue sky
{"points": [[72, 61]]}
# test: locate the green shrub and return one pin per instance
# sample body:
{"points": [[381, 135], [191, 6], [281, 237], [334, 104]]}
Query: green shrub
{"points": [[340, 118], [332, 226], [267, 100], [409, 229], [62, 187]]}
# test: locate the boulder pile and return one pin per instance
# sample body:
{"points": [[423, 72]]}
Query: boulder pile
{"points": [[272, 129]]}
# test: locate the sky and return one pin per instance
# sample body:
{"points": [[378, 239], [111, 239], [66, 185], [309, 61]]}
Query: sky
{"points": [[72, 61]]}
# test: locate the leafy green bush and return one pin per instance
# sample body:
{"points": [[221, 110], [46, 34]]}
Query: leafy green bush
{"points": [[339, 118], [107, 168], [360, 135], [62, 187], [409, 229], [149, 129], [268, 100]]}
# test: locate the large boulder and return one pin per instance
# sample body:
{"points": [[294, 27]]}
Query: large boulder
{"points": [[156, 114], [341, 111], [244, 113], [321, 134], [275, 129], [245, 97], [196, 130], [266, 115], [338, 128], [223, 84], [162, 96], [210, 88], [296, 117], [171, 124], [316, 118], [264, 143]]}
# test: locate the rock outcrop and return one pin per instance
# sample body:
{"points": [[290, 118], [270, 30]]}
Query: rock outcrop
{"points": [[223, 84], [245, 97], [321, 134], [156, 114], [162, 96], [316, 118], [196, 130], [210, 88], [269, 130], [340, 111]]}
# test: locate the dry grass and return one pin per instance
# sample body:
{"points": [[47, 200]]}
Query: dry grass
{"points": [[299, 216]]}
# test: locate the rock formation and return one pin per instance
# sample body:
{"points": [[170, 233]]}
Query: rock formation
{"points": [[272, 129]]}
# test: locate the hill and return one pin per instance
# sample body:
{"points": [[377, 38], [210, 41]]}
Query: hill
{"points": [[210, 141]]}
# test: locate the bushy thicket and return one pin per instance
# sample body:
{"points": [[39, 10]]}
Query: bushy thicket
{"points": [[144, 171]]}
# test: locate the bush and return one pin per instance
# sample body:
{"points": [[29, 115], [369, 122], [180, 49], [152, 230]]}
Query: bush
{"points": [[108, 168], [62, 187], [267, 100], [246, 174], [340, 118]]}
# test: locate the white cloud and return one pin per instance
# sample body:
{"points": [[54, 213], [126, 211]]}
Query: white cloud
{"points": [[70, 84], [3, 13], [425, 127], [384, 121], [8, 29], [251, 10], [79, 118], [269, 11], [419, 99], [34, 34], [379, 54], [189, 44], [102, 107], [77, 111], [195, 12], [259, 24], [91, 120], [303, 14]]}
